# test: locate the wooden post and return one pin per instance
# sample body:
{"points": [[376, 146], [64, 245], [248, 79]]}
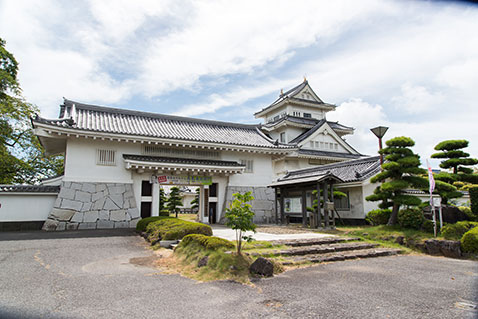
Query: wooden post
{"points": [[275, 202], [319, 209], [304, 208], [282, 214], [326, 199], [332, 200]]}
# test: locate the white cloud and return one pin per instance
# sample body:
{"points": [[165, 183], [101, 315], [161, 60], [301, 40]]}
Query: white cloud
{"points": [[417, 99]]}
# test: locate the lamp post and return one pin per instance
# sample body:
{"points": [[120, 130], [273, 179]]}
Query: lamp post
{"points": [[379, 132]]}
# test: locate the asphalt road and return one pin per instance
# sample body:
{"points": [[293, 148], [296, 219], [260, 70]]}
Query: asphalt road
{"points": [[88, 274]]}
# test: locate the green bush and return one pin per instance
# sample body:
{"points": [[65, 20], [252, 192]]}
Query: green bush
{"points": [[427, 226], [469, 214], [208, 242], [410, 218], [473, 191], [469, 241], [456, 231], [172, 228], [164, 212], [378, 216], [143, 223]]}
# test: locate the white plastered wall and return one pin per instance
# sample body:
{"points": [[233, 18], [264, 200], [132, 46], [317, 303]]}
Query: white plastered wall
{"points": [[25, 206]]}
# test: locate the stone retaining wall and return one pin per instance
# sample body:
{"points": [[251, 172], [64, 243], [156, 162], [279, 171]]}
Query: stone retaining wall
{"points": [[93, 206], [262, 205]]}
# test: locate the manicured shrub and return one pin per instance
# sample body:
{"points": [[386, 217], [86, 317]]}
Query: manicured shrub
{"points": [[173, 228], [208, 242], [468, 213], [474, 199], [456, 231], [427, 226], [378, 216], [410, 218], [469, 241], [143, 223], [164, 212]]}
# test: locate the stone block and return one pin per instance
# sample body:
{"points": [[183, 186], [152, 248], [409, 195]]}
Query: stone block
{"points": [[50, 225], [57, 203], [104, 215], [117, 215], [117, 199], [76, 186], [262, 266], [127, 217], [67, 193], [90, 217], [61, 226], [100, 187], [104, 224], [133, 212], [86, 206], [66, 184], [133, 222], [72, 226], [71, 204], [99, 204], [88, 187], [82, 196], [121, 224], [132, 203], [109, 205], [61, 214], [77, 218], [87, 226], [128, 187], [117, 189], [261, 205], [128, 194], [98, 195]]}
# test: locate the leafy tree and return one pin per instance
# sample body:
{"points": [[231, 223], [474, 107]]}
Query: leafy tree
{"points": [[400, 172], [195, 201], [239, 217], [457, 160], [174, 201], [162, 199], [22, 158]]}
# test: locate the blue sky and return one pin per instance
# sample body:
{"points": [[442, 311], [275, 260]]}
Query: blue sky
{"points": [[409, 65]]}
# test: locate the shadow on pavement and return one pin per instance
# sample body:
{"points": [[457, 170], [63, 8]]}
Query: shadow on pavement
{"points": [[40, 234]]}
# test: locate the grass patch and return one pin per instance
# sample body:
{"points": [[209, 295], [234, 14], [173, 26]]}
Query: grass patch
{"points": [[168, 228], [220, 266], [188, 217]]}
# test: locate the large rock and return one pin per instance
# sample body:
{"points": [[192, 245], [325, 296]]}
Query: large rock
{"points": [[262, 267], [50, 225], [71, 204], [447, 248], [61, 214]]}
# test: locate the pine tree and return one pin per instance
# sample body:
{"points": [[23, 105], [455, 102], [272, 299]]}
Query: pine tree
{"points": [[162, 199], [457, 160], [195, 201], [400, 172], [174, 200]]}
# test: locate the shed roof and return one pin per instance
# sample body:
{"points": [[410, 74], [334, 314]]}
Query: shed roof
{"points": [[29, 189]]}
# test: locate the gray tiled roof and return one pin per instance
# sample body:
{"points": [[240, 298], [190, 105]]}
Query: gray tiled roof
{"points": [[291, 95], [348, 171], [86, 117], [29, 189], [328, 154], [161, 159], [307, 121]]}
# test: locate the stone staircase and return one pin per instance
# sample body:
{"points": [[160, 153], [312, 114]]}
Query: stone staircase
{"points": [[326, 250]]}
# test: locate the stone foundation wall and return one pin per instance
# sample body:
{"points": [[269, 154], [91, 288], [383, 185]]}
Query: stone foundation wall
{"points": [[262, 205], [93, 206]]}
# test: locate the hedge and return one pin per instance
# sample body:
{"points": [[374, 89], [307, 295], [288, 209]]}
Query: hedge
{"points": [[473, 191], [168, 228], [410, 218], [208, 242], [469, 241], [457, 230], [143, 223], [378, 216]]}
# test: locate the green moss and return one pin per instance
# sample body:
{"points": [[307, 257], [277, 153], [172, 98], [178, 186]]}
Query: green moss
{"points": [[208, 242], [168, 228], [469, 241], [143, 223]]}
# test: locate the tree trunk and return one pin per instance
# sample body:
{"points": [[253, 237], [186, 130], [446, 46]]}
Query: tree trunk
{"points": [[394, 216]]}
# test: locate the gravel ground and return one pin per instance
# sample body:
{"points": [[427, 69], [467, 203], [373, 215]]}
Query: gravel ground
{"points": [[89, 275]]}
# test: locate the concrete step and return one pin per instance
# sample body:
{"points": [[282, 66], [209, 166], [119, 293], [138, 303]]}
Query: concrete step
{"points": [[314, 241], [321, 249], [339, 256]]}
